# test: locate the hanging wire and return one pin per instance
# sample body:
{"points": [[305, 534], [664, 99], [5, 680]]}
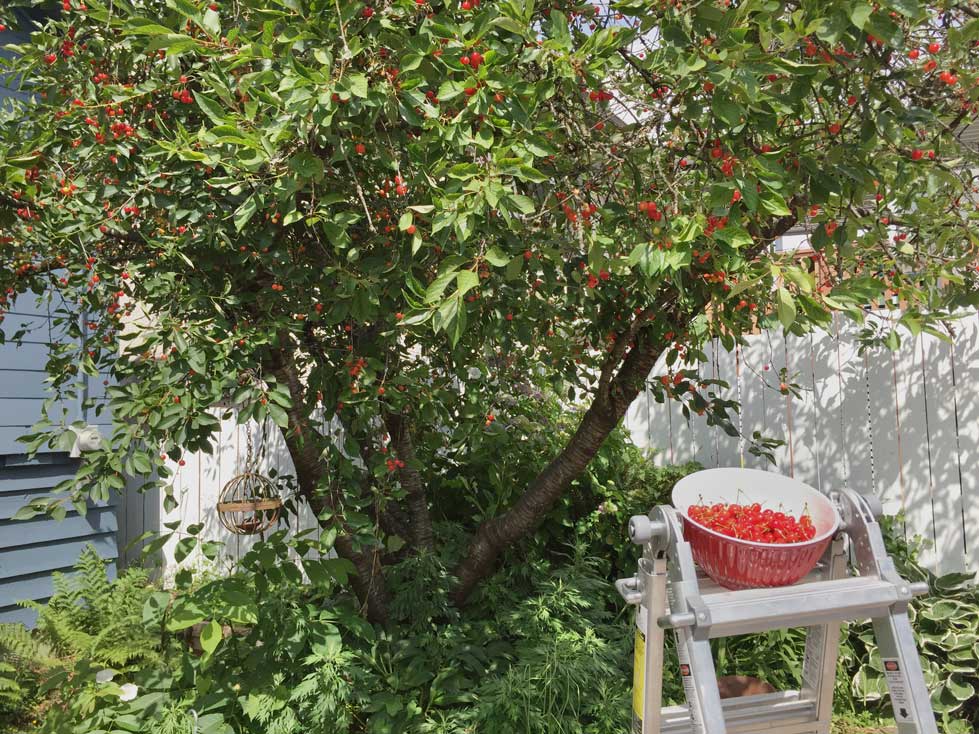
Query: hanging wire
{"points": [[870, 424], [958, 446], [737, 380]]}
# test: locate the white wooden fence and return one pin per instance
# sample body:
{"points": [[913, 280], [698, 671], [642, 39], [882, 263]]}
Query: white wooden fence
{"points": [[903, 425], [197, 486]]}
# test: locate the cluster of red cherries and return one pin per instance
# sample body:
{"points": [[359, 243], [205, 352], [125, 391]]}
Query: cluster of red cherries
{"points": [[751, 522]]}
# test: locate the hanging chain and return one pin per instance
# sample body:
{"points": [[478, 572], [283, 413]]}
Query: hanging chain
{"points": [[263, 443], [248, 450]]}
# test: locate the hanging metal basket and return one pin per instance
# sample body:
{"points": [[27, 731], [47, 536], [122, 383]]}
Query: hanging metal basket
{"points": [[249, 504]]}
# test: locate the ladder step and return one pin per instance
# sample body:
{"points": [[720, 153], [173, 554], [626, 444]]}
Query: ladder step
{"points": [[785, 712], [802, 605]]}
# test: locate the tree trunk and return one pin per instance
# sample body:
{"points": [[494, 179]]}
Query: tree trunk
{"points": [[421, 522], [368, 583], [604, 414]]}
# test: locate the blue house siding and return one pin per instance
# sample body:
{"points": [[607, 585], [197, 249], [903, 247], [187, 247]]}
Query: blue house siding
{"points": [[31, 551]]}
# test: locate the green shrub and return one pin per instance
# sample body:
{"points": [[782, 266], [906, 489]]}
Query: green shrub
{"points": [[543, 647], [90, 623]]}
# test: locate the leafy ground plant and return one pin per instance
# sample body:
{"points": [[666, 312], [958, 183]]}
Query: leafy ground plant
{"points": [[283, 648]]}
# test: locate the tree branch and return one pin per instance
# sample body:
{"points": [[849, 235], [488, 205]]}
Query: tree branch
{"points": [[421, 522], [368, 582], [497, 534]]}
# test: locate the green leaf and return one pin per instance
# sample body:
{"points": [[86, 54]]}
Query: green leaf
{"points": [[357, 84], [509, 24], [727, 110], [495, 257], [910, 8], [212, 22], [484, 137], [307, 165], [774, 204], [524, 203], [211, 635], [437, 287], [514, 268], [529, 173], [466, 280], [280, 417], [786, 308], [146, 27], [735, 236], [560, 31], [859, 14], [245, 212], [212, 109], [184, 548], [185, 613], [410, 62], [26, 513]]}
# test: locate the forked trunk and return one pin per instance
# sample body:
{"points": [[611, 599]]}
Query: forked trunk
{"points": [[601, 418]]}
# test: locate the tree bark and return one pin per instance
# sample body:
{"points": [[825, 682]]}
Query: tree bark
{"points": [[604, 414], [368, 582], [399, 427]]}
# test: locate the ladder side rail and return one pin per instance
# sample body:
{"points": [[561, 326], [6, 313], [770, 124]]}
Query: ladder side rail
{"points": [[822, 649], [652, 579], [910, 699], [697, 671]]}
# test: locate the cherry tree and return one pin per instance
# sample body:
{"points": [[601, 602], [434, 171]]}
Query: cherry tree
{"points": [[382, 216]]}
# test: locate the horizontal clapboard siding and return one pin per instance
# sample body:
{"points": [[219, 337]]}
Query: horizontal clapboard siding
{"points": [[23, 381], [32, 551]]}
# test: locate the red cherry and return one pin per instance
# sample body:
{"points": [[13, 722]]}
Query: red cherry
{"points": [[934, 48], [367, 12], [914, 54], [834, 128], [410, 229], [916, 155], [360, 148]]}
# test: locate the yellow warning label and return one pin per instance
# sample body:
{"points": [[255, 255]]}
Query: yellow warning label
{"points": [[638, 674]]}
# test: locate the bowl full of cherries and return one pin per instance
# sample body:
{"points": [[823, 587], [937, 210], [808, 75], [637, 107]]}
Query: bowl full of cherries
{"points": [[749, 528]]}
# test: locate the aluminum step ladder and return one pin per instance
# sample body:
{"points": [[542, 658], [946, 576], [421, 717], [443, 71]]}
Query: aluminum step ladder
{"points": [[855, 579]]}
